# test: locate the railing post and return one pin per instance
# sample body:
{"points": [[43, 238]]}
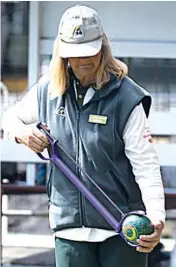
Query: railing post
{"points": [[4, 218], [34, 42], [30, 173]]}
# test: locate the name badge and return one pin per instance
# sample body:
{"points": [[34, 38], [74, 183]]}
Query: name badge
{"points": [[98, 119]]}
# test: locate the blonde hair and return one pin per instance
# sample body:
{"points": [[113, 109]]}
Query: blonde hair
{"points": [[59, 75]]}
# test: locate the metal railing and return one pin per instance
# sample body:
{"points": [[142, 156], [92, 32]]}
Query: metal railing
{"points": [[11, 189], [170, 199]]}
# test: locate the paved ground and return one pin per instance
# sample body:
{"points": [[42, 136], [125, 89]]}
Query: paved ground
{"points": [[28, 257], [27, 250]]}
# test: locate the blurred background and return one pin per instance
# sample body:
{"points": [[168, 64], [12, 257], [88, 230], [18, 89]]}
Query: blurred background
{"points": [[142, 34]]}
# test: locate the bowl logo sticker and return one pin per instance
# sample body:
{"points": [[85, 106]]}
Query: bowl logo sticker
{"points": [[129, 232]]}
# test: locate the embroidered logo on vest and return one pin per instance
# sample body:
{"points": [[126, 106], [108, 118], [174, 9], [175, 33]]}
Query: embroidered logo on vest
{"points": [[61, 111]]}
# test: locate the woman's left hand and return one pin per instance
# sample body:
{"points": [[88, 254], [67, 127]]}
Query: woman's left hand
{"points": [[148, 242]]}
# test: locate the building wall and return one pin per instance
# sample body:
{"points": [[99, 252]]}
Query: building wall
{"points": [[144, 29], [136, 30]]}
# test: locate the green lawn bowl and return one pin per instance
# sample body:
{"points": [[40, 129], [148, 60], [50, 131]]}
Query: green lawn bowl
{"points": [[135, 225]]}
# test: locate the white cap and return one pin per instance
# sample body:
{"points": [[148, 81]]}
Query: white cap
{"points": [[80, 32]]}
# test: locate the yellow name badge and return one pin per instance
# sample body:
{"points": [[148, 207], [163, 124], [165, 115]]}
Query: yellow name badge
{"points": [[98, 119]]}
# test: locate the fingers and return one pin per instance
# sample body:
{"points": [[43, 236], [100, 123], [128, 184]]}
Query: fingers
{"points": [[153, 237], [40, 137], [144, 250], [35, 144], [33, 138], [148, 242], [146, 246]]}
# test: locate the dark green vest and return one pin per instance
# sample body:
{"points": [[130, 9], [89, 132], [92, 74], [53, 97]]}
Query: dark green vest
{"points": [[98, 148]]}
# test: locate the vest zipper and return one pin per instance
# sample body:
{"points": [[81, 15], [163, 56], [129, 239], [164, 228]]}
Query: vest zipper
{"points": [[78, 170]]}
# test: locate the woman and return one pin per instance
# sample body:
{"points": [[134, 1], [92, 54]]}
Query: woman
{"points": [[99, 115]]}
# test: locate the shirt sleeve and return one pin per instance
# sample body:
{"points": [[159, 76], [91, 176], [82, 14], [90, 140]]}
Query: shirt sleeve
{"points": [[139, 149], [23, 112]]}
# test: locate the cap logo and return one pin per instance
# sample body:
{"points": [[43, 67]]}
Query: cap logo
{"points": [[77, 31]]}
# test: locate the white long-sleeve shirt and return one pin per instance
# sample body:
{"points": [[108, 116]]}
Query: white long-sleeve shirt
{"points": [[138, 148]]}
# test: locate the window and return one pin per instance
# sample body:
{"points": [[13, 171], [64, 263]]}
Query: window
{"points": [[158, 76], [14, 44]]}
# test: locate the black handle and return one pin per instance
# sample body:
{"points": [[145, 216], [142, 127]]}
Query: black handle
{"points": [[40, 126], [51, 139]]}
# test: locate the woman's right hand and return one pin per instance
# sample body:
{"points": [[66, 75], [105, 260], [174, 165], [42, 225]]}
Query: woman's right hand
{"points": [[33, 138]]}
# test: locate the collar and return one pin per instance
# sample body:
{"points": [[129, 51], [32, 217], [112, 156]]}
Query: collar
{"points": [[113, 84]]}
